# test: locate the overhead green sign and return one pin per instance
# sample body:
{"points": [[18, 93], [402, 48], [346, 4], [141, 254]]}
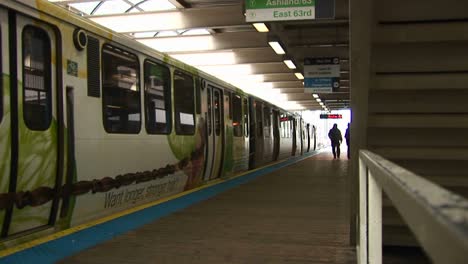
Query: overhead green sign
{"points": [[277, 10]]}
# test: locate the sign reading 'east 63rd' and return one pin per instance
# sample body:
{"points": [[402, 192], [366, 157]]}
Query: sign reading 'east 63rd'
{"points": [[275, 10]]}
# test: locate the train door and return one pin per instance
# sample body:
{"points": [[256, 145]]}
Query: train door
{"points": [[5, 146], [215, 123], [253, 132], [35, 132], [276, 136], [314, 137], [259, 133], [301, 134], [294, 138]]}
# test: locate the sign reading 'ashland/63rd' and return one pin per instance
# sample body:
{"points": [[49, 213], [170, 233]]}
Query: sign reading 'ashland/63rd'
{"points": [[275, 10]]}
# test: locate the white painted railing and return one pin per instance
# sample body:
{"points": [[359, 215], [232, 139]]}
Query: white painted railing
{"points": [[437, 217]]}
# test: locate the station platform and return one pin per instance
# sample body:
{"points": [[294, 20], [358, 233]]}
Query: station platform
{"points": [[294, 211], [296, 214]]}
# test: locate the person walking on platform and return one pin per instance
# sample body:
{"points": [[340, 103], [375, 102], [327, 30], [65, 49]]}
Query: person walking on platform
{"points": [[335, 136], [346, 136]]}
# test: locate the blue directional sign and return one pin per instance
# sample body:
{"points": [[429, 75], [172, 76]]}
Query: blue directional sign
{"points": [[321, 75]]}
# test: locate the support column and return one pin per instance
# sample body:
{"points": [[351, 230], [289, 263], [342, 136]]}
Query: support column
{"points": [[362, 23]]}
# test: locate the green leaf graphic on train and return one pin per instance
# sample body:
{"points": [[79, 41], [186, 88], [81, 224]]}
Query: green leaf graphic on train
{"points": [[5, 141], [181, 146], [37, 167]]}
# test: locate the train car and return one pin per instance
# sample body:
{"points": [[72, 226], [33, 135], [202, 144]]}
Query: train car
{"points": [[93, 123]]}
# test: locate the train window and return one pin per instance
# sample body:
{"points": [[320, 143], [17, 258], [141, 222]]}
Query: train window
{"points": [[157, 98], [217, 101], [237, 115], [121, 91], [184, 103], [246, 118], [259, 118], [267, 121], [37, 102]]}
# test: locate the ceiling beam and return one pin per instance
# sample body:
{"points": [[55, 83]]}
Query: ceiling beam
{"points": [[288, 84], [280, 77], [180, 3], [220, 41], [209, 17], [314, 36]]}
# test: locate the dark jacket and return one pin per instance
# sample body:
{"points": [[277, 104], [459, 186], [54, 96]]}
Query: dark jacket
{"points": [[335, 135], [346, 135]]}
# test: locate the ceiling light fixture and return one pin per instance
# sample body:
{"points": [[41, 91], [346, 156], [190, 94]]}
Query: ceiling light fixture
{"points": [[290, 64], [261, 27], [299, 75], [318, 100], [276, 46], [315, 95]]}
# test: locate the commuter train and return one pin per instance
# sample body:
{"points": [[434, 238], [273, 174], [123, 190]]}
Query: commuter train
{"points": [[93, 123]]}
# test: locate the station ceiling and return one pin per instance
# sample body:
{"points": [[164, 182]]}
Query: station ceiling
{"points": [[213, 35]]}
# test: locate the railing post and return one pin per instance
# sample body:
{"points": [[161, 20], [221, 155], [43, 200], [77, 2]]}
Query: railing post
{"points": [[374, 220], [362, 242]]}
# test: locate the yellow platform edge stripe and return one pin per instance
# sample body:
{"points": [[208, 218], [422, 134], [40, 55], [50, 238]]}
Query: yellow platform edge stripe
{"points": [[71, 230]]}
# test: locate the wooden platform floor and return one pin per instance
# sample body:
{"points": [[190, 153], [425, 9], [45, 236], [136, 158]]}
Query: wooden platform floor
{"points": [[298, 214]]}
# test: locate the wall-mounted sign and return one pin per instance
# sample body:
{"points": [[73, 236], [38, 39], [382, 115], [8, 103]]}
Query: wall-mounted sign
{"points": [[331, 116], [277, 10], [321, 75]]}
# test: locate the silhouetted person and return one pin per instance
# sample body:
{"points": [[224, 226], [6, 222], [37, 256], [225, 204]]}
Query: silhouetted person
{"points": [[335, 136], [346, 136]]}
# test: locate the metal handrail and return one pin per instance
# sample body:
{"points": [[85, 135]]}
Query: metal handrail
{"points": [[437, 217]]}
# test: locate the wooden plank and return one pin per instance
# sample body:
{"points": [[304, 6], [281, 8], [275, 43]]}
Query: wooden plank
{"points": [[447, 181], [420, 57], [413, 101], [429, 32], [417, 137], [429, 167], [421, 81], [420, 10], [449, 153], [419, 120], [398, 236]]}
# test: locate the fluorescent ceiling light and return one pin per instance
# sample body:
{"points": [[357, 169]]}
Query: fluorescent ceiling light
{"points": [[290, 64], [156, 5], [321, 104], [85, 7], [140, 22], [210, 58], [112, 7], [167, 33], [315, 95], [318, 100], [216, 70], [299, 75], [192, 43], [144, 34], [260, 27], [276, 47], [197, 31]]}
